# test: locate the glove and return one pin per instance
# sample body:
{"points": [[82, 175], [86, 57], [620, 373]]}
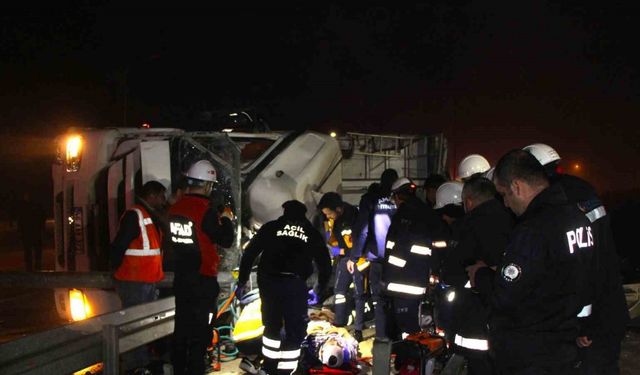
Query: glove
{"points": [[240, 291], [312, 299]]}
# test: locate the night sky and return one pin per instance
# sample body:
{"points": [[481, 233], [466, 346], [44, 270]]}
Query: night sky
{"points": [[491, 76]]}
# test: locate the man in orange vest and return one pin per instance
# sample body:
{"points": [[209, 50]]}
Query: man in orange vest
{"points": [[135, 251], [196, 231]]}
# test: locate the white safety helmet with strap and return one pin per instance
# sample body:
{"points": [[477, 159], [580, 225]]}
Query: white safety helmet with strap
{"points": [[472, 164], [200, 173], [544, 153], [449, 193], [403, 184]]}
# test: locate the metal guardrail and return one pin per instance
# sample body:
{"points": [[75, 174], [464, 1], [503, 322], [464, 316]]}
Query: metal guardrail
{"points": [[76, 346]]}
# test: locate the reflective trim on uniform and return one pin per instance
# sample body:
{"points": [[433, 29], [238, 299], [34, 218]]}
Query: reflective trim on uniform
{"points": [[420, 250], [147, 221], [271, 342], [290, 354], [143, 229], [287, 365], [407, 289], [390, 245], [468, 285], [404, 335], [270, 353], [340, 298], [597, 213], [585, 312], [439, 244], [345, 232], [142, 252], [363, 266], [475, 344], [398, 262], [248, 334]]}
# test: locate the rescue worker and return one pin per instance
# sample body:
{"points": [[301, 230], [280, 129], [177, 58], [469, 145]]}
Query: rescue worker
{"points": [[287, 247], [344, 215], [408, 257], [482, 236], [536, 294], [449, 201], [471, 165], [370, 232], [431, 185], [604, 318], [197, 229], [136, 258], [135, 251]]}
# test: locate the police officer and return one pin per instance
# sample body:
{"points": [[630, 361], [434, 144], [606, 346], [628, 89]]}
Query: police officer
{"points": [[287, 247], [196, 232], [344, 215], [537, 293], [370, 232], [605, 316], [408, 257], [483, 236]]}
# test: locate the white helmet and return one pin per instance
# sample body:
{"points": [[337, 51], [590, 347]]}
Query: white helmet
{"points": [[449, 193], [472, 164], [403, 183], [489, 174], [202, 170], [544, 153]]}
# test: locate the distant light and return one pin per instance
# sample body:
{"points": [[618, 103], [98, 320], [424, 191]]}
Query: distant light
{"points": [[146, 125], [333, 134], [227, 130], [576, 167]]}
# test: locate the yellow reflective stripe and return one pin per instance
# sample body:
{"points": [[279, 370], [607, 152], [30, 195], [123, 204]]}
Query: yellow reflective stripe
{"points": [[270, 353], [420, 250], [398, 262], [585, 312], [475, 344], [287, 365], [143, 229], [271, 342], [439, 244], [290, 354], [142, 252], [407, 289]]}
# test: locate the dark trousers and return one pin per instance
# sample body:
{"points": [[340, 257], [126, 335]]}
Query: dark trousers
{"points": [[403, 317], [284, 305], [343, 282], [541, 370], [32, 246], [377, 296], [133, 293], [196, 297], [479, 363], [602, 357]]}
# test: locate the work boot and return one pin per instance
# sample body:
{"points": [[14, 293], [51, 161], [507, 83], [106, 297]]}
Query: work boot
{"points": [[357, 335]]}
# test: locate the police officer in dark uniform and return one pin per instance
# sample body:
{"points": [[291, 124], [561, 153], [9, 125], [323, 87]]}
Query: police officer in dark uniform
{"points": [[344, 215], [287, 246], [370, 232], [196, 230], [483, 235], [604, 317], [539, 287], [408, 257]]}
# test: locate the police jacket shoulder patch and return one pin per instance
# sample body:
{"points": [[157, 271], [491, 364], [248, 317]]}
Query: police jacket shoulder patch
{"points": [[511, 272]]}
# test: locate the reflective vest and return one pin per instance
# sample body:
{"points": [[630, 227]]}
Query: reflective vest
{"points": [[142, 260], [193, 250]]}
